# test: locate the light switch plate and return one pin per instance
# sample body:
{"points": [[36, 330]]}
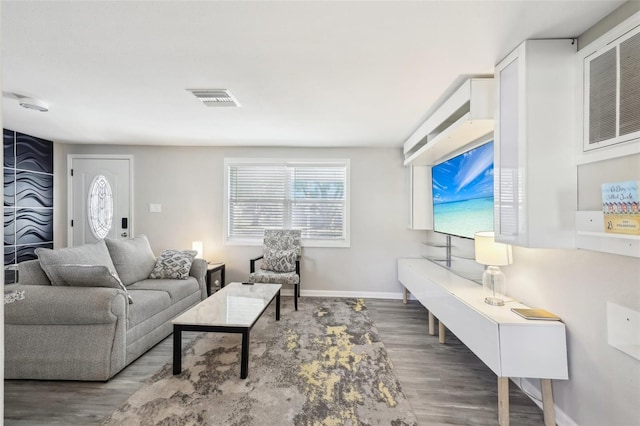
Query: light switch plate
{"points": [[155, 208], [623, 329]]}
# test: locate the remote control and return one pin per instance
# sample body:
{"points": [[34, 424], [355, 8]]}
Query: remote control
{"points": [[247, 283]]}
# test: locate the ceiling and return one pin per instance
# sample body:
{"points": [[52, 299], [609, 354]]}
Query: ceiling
{"points": [[321, 74]]}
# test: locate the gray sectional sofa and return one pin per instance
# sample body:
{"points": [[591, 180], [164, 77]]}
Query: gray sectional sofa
{"points": [[91, 310]]}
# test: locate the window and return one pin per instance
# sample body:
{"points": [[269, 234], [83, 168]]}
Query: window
{"points": [[100, 206], [312, 197]]}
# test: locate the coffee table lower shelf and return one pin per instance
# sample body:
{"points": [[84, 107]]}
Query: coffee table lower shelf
{"points": [[244, 330]]}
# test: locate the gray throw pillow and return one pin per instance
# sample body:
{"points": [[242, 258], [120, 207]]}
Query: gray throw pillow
{"points": [[279, 260], [174, 264], [90, 276], [88, 254], [134, 260]]}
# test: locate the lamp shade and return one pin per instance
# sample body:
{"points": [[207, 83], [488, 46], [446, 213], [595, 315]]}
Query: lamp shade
{"points": [[489, 252], [197, 246]]}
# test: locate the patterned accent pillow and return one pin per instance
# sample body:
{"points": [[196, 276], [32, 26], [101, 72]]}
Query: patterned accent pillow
{"points": [[90, 276], [279, 260], [174, 264]]}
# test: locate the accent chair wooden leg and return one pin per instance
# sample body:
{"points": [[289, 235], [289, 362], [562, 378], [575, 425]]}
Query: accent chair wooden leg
{"points": [[405, 295], [503, 401], [548, 408], [295, 297], [432, 324], [441, 332]]}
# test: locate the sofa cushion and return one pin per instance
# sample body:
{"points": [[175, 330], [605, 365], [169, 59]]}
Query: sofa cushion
{"points": [[90, 276], [279, 260], [88, 254], [31, 273], [174, 264], [133, 259], [146, 305], [177, 289]]}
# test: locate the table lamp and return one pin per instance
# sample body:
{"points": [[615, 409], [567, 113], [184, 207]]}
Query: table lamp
{"points": [[494, 255], [197, 246]]}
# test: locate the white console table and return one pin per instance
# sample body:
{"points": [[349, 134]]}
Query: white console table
{"points": [[508, 344]]}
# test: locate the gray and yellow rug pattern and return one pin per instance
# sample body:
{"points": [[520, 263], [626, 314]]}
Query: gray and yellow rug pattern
{"points": [[322, 365]]}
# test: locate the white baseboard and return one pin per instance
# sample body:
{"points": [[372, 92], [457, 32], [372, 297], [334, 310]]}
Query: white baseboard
{"points": [[562, 419]]}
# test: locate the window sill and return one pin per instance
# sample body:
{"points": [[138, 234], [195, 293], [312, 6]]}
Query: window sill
{"points": [[305, 243]]}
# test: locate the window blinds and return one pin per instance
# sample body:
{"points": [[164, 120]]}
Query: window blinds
{"points": [[309, 197]]}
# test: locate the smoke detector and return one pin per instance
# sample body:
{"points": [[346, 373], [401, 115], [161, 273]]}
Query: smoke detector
{"points": [[36, 104], [215, 97]]}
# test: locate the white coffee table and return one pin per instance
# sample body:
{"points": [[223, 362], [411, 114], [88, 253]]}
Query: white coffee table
{"points": [[234, 309]]}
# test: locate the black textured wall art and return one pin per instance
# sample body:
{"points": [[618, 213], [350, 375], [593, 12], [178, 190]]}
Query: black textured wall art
{"points": [[28, 198]]}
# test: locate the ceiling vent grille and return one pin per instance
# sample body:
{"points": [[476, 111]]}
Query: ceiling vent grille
{"points": [[215, 97]]}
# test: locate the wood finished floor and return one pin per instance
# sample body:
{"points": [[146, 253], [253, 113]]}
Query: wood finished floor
{"points": [[445, 384]]}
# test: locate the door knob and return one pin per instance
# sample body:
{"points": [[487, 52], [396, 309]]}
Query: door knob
{"points": [[124, 234]]}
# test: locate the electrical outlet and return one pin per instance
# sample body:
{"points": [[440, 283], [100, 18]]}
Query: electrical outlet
{"points": [[155, 208], [623, 329]]}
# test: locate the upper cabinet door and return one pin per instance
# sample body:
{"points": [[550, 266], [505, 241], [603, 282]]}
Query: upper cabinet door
{"points": [[535, 172]]}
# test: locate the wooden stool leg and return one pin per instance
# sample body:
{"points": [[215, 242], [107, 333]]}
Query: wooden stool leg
{"points": [[432, 324], [441, 332], [547, 403], [405, 295], [503, 401]]}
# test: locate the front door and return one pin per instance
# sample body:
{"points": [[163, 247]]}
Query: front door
{"points": [[100, 198]]}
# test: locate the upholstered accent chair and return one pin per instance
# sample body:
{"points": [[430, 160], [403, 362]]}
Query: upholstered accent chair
{"points": [[280, 260]]}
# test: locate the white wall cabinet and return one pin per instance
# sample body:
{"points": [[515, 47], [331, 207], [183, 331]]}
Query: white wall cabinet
{"points": [[420, 207], [535, 175]]}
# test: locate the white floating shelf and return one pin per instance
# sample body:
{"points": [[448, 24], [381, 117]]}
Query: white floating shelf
{"points": [[590, 235]]}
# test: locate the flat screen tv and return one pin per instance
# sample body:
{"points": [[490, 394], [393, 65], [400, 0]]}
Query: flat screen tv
{"points": [[463, 193]]}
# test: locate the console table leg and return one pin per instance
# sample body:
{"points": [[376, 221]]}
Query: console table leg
{"points": [[441, 332], [432, 324], [405, 295], [548, 409], [503, 401]]}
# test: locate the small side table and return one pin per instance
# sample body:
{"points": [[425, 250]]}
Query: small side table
{"points": [[211, 268]]}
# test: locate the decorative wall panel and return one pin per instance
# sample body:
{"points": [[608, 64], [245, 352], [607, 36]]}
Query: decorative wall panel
{"points": [[34, 189], [28, 198], [34, 154]]}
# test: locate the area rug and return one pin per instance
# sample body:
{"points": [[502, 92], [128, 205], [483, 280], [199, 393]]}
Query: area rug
{"points": [[322, 365]]}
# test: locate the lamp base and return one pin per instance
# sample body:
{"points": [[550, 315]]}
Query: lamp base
{"points": [[494, 301], [494, 285]]}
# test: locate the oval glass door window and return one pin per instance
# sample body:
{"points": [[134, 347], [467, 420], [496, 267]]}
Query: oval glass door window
{"points": [[100, 206]]}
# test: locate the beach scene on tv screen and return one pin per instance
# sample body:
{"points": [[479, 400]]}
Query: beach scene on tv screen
{"points": [[463, 193]]}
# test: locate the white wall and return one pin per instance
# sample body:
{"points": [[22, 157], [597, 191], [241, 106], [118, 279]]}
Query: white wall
{"points": [[604, 383], [188, 182]]}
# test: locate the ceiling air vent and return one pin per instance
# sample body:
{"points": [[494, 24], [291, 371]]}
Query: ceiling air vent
{"points": [[215, 97]]}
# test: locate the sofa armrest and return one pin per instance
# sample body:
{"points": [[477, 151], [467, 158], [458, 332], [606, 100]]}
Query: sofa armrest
{"points": [[199, 271], [58, 305], [65, 333]]}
